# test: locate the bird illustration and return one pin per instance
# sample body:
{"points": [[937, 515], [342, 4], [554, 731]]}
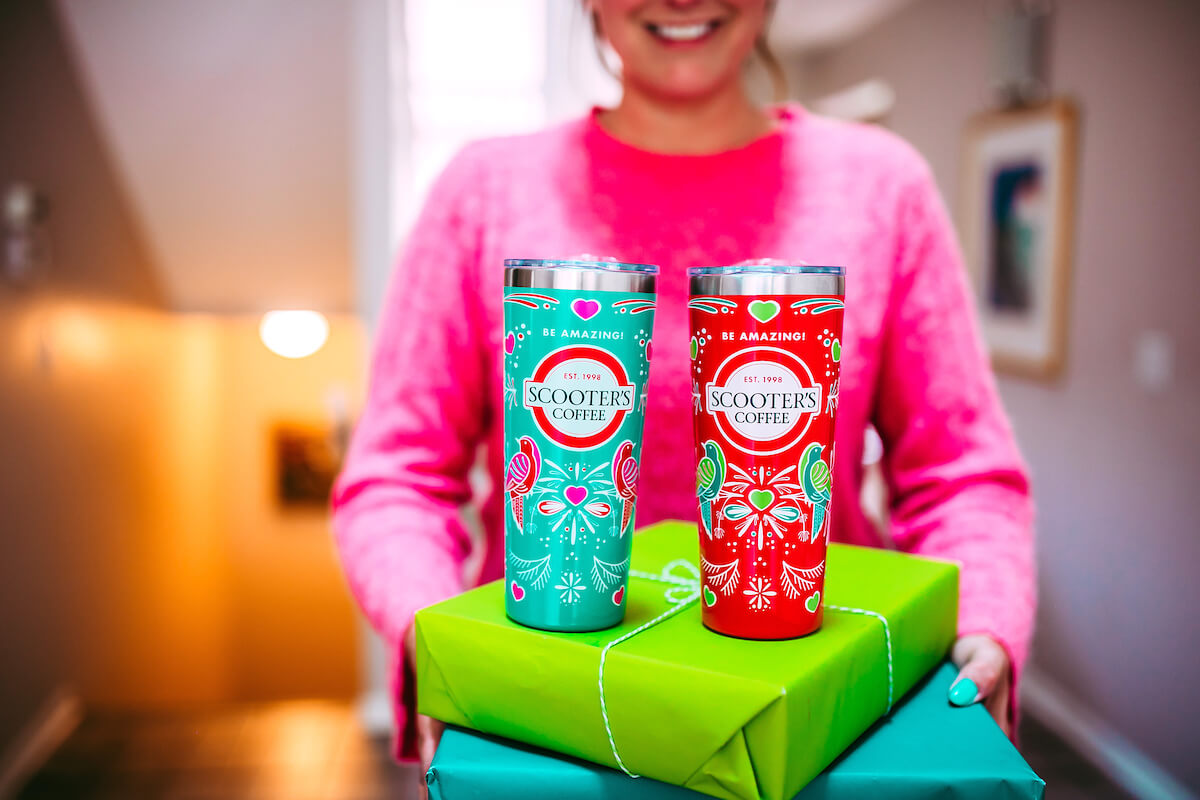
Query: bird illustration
{"points": [[816, 485], [625, 477], [710, 477], [522, 473]]}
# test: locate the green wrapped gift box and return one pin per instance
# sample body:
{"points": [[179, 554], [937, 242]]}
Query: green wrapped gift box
{"points": [[924, 748], [726, 717]]}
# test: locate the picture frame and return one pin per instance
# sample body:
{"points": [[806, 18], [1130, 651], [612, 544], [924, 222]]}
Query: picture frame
{"points": [[307, 458], [1017, 210]]}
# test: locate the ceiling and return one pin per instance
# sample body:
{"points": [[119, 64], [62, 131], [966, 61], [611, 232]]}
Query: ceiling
{"points": [[228, 122]]}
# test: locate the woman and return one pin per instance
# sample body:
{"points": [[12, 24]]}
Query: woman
{"points": [[688, 171]]}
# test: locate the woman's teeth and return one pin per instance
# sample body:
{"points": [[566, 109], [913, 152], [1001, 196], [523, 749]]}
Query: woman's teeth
{"points": [[683, 33]]}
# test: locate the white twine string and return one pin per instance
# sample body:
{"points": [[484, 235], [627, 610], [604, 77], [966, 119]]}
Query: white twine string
{"points": [[887, 637], [683, 592]]}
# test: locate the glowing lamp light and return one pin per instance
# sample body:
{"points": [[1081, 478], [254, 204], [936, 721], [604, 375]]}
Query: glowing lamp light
{"points": [[293, 334]]}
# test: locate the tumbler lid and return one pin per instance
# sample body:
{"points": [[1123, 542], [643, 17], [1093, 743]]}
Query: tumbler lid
{"points": [[767, 266], [583, 262]]}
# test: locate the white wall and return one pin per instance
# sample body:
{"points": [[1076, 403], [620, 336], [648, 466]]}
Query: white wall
{"points": [[1116, 467]]}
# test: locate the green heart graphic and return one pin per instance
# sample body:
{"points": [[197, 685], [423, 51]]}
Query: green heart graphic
{"points": [[835, 350], [764, 310], [813, 601], [695, 347], [761, 498], [709, 597]]}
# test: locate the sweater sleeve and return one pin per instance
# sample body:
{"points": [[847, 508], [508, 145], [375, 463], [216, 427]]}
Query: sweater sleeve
{"points": [[396, 503], [959, 488]]}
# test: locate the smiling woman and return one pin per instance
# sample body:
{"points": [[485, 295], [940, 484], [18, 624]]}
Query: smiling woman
{"points": [[687, 170], [675, 53]]}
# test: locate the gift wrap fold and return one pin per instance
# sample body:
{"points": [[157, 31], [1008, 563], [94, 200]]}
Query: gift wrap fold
{"points": [[924, 748], [678, 703]]}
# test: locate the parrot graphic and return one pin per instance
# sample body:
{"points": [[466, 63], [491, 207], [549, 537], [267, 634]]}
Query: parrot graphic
{"points": [[625, 478], [816, 485], [522, 473], [710, 477]]}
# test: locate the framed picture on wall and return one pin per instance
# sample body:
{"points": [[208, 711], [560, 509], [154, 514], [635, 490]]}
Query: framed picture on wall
{"points": [[308, 457], [1017, 217]]}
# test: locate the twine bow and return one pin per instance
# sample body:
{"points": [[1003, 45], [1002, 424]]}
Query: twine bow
{"points": [[683, 581]]}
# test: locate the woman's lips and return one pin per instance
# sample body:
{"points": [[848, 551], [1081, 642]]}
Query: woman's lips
{"points": [[677, 33]]}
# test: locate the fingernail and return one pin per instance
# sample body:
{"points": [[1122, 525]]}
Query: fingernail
{"points": [[963, 692]]}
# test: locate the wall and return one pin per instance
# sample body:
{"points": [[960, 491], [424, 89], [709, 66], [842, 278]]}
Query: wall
{"points": [[292, 632], [105, 583], [145, 563], [1115, 466], [114, 575]]}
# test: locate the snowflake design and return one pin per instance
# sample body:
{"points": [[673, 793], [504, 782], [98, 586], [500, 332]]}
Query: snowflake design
{"points": [[696, 398], [757, 502], [570, 587], [760, 593], [510, 392], [576, 497], [831, 402]]}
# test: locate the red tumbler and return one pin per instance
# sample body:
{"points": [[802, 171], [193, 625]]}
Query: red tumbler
{"points": [[766, 353]]}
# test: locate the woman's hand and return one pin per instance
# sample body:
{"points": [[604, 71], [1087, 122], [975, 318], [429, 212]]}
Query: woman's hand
{"points": [[429, 730], [985, 674]]}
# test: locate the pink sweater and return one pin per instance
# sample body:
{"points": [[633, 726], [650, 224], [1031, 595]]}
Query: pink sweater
{"points": [[815, 190]]}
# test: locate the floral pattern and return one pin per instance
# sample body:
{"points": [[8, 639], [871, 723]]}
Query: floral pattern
{"points": [[759, 590]]}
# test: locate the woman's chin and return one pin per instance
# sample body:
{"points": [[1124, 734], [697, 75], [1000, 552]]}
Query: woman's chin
{"points": [[684, 86]]}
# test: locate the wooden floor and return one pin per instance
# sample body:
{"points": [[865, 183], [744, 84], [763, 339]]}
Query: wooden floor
{"points": [[317, 751]]}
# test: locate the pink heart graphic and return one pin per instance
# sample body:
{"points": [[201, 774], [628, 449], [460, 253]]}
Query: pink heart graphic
{"points": [[618, 596], [510, 343], [585, 309], [576, 494], [518, 592]]}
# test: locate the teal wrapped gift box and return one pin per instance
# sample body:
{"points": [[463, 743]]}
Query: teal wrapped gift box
{"points": [[924, 748]]}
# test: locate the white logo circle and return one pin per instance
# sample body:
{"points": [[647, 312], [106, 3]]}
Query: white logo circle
{"points": [[764, 400], [579, 396], [754, 391]]}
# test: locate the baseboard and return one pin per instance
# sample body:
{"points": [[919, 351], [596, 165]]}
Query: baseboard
{"points": [[50, 726], [1097, 741]]}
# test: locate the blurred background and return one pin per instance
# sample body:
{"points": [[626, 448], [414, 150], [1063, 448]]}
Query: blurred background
{"points": [[174, 619]]}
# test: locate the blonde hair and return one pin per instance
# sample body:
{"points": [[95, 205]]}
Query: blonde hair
{"points": [[775, 71], [779, 83]]}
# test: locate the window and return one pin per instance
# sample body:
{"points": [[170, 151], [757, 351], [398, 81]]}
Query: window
{"points": [[475, 68]]}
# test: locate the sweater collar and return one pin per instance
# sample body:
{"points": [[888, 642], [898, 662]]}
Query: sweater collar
{"points": [[599, 140]]}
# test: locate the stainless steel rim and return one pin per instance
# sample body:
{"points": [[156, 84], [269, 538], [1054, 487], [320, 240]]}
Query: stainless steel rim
{"points": [[582, 280], [765, 283]]}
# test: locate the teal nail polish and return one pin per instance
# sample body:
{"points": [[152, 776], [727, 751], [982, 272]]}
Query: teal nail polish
{"points": [[963, 692]]}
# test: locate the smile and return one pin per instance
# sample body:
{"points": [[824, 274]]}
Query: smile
{"points": [[683, 33]]}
